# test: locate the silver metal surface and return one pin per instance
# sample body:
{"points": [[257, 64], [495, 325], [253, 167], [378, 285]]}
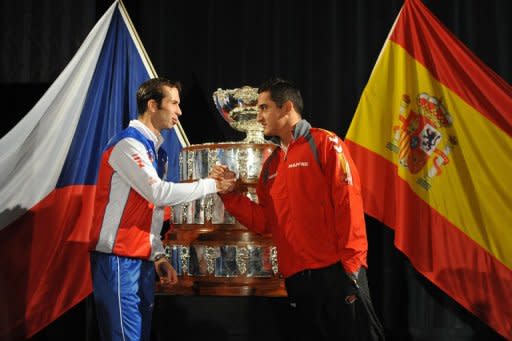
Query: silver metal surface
{"points": [[202, 259], [219, 257], [245, 160], [238, 108], [251, 261], [178, 255]]}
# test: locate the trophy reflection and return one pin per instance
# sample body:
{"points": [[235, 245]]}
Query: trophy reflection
{"points": [[212, 252], [238, 108]]}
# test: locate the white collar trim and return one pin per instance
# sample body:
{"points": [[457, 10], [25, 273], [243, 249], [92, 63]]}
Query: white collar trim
{"points": [[157, 140]]}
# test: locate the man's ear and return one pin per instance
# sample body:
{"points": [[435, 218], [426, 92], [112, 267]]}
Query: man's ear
{"points": [[288, 106], [152, 105]]}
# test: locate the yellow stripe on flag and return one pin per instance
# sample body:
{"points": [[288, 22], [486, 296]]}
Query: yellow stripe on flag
{"points": [[452, 157]]}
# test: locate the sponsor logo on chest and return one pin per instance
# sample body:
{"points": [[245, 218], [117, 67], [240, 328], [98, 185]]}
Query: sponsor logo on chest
{"points": [[299, 164]]}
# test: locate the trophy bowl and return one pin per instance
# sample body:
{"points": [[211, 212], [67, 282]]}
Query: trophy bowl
{"points": [[238, 108]]}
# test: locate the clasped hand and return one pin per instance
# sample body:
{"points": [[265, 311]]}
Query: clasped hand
{"points": [[224, 178]]}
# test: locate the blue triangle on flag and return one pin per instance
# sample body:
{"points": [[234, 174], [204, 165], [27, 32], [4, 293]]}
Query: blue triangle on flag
{"points": [[109, 106]]}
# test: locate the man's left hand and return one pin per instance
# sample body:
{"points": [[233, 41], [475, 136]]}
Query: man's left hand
{"points": [[166, 272]]}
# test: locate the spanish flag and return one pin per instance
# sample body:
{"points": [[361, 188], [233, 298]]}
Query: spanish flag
{"points": [[432, 141]]}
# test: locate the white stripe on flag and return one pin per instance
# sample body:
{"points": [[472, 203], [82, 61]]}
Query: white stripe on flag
{"points": [[34, 151]]}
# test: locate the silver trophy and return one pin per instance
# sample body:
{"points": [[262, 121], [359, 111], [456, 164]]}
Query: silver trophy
{"points": [[238, 108], [213, 253]]}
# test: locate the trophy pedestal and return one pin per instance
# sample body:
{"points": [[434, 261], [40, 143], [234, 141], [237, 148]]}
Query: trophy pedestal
{"points": [[212, 252]]}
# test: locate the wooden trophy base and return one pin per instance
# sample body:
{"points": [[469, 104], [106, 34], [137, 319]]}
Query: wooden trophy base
{"points": [[222, 261]]}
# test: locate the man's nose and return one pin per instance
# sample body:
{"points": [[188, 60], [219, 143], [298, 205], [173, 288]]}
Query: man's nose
{"points": [[178, 112], [259, 116]]}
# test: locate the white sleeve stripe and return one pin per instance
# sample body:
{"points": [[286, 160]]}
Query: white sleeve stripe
{"points": [[145, 181]]}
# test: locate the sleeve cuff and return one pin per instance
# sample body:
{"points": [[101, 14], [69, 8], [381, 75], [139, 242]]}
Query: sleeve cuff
{"points": [[209, 186]]}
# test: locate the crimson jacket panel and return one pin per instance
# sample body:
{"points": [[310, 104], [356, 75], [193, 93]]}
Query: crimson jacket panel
{"points": [[309, 198]]}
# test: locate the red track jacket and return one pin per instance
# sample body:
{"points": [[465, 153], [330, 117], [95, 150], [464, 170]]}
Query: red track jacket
{"points": [[310, 200]]}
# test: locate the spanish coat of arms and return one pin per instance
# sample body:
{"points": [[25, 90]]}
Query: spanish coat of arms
{"points": [[421, 135]]}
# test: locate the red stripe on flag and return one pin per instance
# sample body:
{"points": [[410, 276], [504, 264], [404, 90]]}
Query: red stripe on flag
{"points": [[437, 248], [422, 35], [45, 262]]}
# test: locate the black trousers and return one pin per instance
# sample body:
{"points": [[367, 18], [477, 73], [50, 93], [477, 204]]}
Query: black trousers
{"points": [[323, 311]]}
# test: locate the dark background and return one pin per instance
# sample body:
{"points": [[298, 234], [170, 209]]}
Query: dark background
{"points": [[327, 47]]}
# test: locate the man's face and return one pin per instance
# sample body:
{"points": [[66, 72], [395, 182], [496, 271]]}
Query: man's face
{"points": [[167, 116], [271, 117]]}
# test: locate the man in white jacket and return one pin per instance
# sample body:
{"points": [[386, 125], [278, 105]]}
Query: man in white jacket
{"points": [[129, 213]]}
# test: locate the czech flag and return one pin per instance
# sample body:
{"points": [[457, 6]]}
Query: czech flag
{"points": [[432, 141], [48, 167]]}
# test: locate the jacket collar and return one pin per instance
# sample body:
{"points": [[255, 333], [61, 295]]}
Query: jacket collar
{"points": [[157, 140], [299, 130]]}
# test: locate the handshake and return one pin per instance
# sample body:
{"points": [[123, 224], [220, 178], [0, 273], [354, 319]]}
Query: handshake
{"points": [[225, 179]]}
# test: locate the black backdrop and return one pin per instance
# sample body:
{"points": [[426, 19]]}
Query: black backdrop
{"points": [[327, 47]]}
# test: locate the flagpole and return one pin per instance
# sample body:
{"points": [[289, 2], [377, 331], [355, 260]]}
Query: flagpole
{"points": [[149, 66]]}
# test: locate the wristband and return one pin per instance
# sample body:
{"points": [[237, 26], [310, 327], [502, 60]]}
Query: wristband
{"points": [[159, 256]]}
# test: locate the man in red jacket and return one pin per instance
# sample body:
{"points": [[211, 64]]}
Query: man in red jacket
{"points": [[309, 199]]}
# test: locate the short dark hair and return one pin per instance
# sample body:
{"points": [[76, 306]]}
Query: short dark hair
{"points": [[281, 91], [153, 89]]}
